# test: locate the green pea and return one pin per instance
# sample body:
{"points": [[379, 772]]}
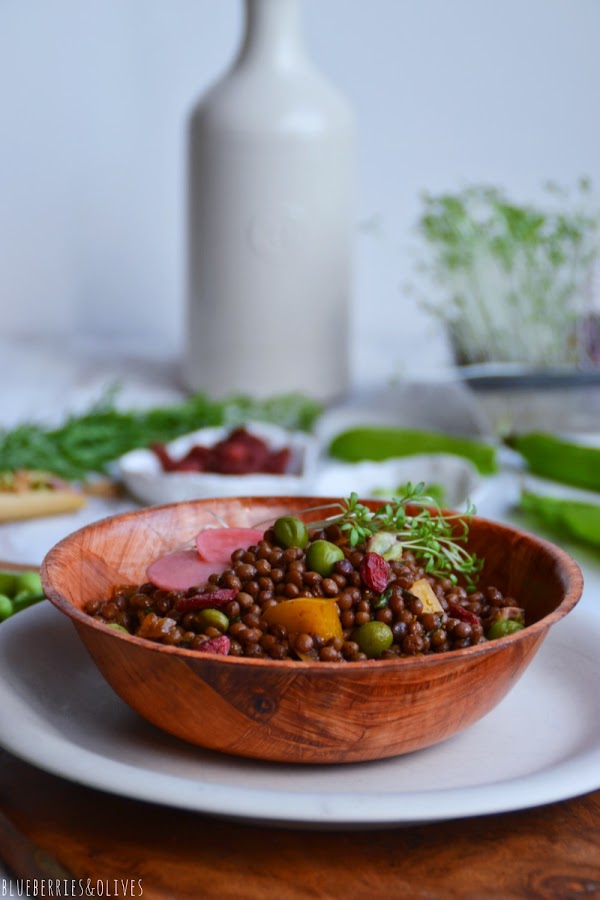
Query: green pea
{"points": [[213, 618], [6, 607], [290, 532], [373, 638], [322, 556], [8, 583], [502, 627], [29, 582]]}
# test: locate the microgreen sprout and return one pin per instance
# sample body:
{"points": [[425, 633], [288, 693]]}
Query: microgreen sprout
{"points": [[436, 538], [514, 281]]}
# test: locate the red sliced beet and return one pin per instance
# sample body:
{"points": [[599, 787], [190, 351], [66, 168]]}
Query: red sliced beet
{"points": [[215, 545], [208, 600], [181, 570]]}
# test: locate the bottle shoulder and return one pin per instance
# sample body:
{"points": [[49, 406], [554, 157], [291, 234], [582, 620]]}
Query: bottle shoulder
{"points": [[249, 99]]}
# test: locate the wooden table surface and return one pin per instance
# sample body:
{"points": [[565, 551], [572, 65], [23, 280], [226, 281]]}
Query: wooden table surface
{"points": [[551, 852]]}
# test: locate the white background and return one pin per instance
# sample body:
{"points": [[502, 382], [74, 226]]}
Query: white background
{"points": [[93, 102]]}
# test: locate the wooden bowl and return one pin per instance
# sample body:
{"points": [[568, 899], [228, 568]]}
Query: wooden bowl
{"points": [[301, 712]]}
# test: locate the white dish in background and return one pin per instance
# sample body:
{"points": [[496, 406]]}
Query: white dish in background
{"points": [[144, 477], [58, 713], [457, 477]]}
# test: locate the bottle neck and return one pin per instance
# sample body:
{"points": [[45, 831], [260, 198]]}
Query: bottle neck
{"points": [[272, 33]]}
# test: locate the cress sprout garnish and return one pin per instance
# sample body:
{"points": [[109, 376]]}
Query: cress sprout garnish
{"points": [[511, 281], [436, 538]]}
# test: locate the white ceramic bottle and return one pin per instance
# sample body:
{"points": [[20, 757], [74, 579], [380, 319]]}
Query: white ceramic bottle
{"points": [[270, 220]]}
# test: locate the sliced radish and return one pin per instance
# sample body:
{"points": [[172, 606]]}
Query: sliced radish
{"points": [[181, 570], [216, 545]]}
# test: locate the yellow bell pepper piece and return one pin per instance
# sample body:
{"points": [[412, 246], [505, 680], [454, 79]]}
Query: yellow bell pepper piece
{"points": [[423, 590], [307, 615]]}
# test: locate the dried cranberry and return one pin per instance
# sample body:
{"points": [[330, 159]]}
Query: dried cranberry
{"points": [[219, 644], [375, 572], [465, 615], [206, 600]]}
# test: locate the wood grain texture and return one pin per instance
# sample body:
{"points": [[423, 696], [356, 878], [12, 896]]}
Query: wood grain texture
{"points": [[550, 853], [291, 711]]}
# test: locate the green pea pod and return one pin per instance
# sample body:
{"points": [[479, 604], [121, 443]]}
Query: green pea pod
{"points": [[559, 460], [24, 599], [381, 442], [28, 582], [8, 582], [577, 519], [6, 607]]}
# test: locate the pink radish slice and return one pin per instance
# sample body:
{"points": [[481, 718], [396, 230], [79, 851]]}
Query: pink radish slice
{"points": [[181, 570], [216, 545]]}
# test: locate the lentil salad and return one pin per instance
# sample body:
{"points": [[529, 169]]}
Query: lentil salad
{"points": [[355, 586]]}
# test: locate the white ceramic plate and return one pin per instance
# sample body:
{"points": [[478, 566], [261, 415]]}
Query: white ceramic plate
{"points": [[540, 745], [144, 477]]}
